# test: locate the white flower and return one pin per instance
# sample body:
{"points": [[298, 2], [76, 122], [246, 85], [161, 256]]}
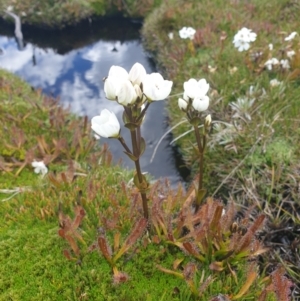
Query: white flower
{"points": [[171, 35], [274, 82], [10, 8], [187, 33], [201, 103], [285, 64], [182, 104], [270, 47], [137, 73], [126, 94], [194, 88], [39, 167], [291, 36], [243, 38], [271, 62], [106, 125], [155, 87], [111, 86], [290, 54], [118, 71]]}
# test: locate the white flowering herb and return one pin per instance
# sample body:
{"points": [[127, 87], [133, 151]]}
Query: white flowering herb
{"points": [[271, 63], [39, 167], [274, 82], [285, 64], [243, 38], [290, 53], [187, 33], [291, 36]]}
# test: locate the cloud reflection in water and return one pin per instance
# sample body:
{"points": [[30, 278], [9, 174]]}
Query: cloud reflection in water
{"points": [[76, 78]]}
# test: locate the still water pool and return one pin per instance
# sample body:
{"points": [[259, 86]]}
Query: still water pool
{"points": [[71, 63]]}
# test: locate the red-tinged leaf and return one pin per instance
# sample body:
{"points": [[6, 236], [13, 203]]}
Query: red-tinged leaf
{"points": [[216, 218], [177, 263], [192, 250], [117, 241], [105, 248], [119, 277], [64, 178], [67, 254], [244, 289], [73, 244], [216, 266], [282, 285], [80, 213], [135, 234], [179, 275], [61, 233]]}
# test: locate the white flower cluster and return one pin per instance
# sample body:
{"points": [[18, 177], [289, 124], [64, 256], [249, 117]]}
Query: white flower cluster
{"points": [[195, 94], [187, 33], [273, 62], [128, 89], [243, 38]]}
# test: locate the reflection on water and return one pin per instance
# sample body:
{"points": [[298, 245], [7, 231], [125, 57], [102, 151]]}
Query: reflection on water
{"points": [[73, 70]]}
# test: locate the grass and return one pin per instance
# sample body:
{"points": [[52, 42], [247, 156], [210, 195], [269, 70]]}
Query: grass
{"points": [[57, 14]]}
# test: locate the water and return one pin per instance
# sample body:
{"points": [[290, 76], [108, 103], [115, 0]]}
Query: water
{"points": [[71, 63]]}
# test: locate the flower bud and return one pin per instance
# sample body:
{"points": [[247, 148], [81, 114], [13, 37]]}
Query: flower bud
{"points": [[111, 85], [118, 71], [182, 104], [136, 74], [126, 94], [207, 121]]}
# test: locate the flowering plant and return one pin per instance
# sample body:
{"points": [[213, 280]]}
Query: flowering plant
{"points": [[194, 102], [39, 167], [135, 91], [243, 38], [187, 33]]}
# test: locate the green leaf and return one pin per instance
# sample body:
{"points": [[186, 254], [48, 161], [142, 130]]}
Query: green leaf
{"points": [[142, 146], [131, 126], [200, 195], [131, 156]]}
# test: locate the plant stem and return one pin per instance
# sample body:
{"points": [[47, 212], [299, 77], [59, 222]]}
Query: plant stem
{"points": [[201, 159], [121, 139], [135, 149]]}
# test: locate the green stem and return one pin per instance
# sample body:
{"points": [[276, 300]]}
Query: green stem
{"points": [[135, 148]]}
